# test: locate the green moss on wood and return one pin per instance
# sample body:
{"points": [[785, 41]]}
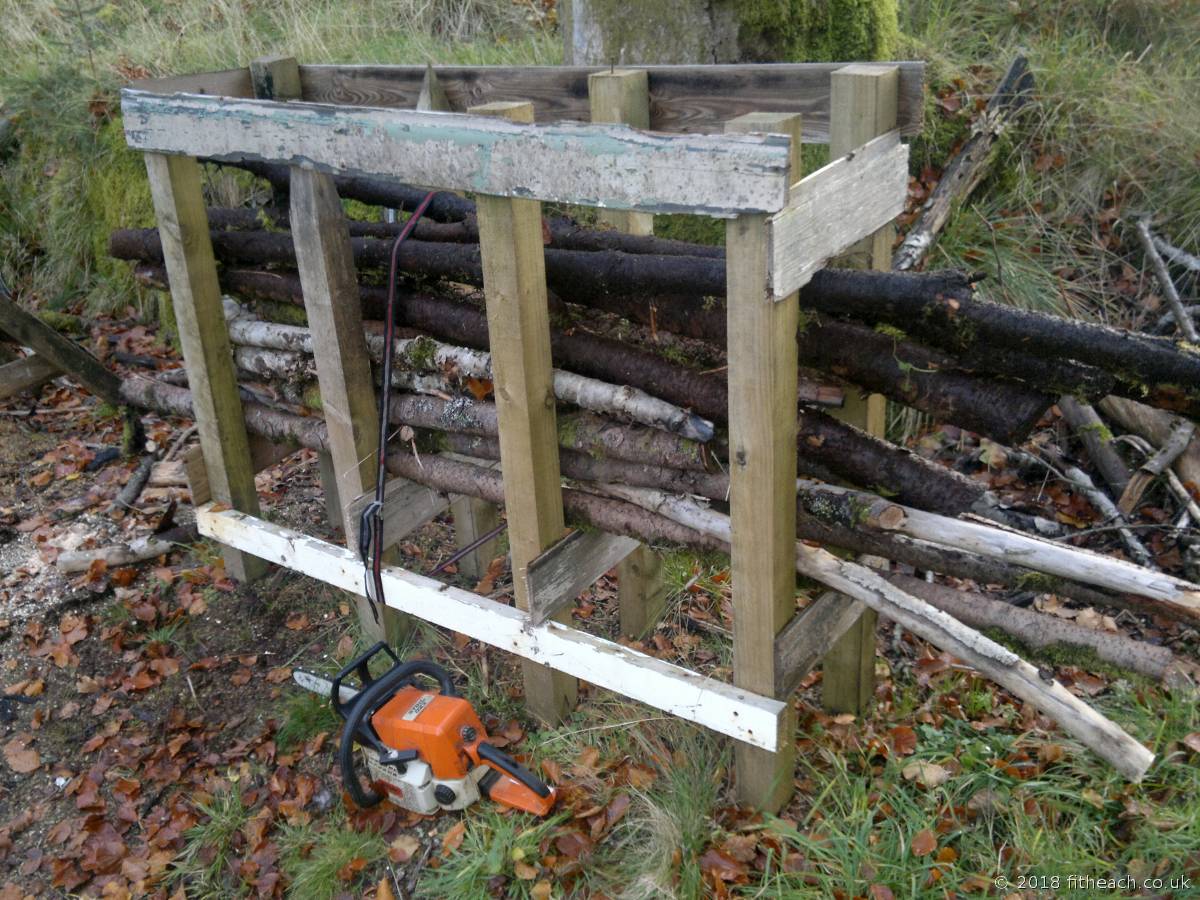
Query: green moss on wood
{"points": [[817, 30]]}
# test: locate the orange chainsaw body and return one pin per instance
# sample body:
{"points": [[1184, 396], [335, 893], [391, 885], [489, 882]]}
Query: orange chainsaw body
{"points": [[446, 733]]}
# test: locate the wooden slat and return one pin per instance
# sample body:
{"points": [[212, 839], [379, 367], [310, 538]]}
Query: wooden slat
{"points": [[762, 428], [222, 83], [200, 320], [642, 592], [514, 287], [555, 578], [834, 208], [24, 374], [406, 507], [722, 707], [682, 98], [59, 350], [263, 455], [473, 518], [433, 96], [865, 106], [808, 637], [596, 165]]}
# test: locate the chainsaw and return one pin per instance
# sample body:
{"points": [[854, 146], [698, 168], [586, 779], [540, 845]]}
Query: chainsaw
{"points": [[425, 751]]}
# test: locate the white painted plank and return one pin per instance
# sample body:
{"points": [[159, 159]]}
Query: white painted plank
{"points": [[722, 707], [570, 567], [609, 166], [406, 507], [833, 208]]}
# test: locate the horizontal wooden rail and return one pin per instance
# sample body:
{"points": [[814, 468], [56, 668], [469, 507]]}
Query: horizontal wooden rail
{"points": [[722, 707], [609, 166], [682, 98]]}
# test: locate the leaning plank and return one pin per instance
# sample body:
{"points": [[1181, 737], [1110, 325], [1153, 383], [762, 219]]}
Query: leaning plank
{"points": [[222, 83], [810, 634], [31, 331], [835, 207], [1105, 738], [571, 566], [406, 507], [20, 375], [721, 707], [682, 98], [608, 166]]}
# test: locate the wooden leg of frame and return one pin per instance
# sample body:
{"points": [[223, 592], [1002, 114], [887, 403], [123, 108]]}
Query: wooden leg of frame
{"points": [[863, 106], [196, 297], [514, 285], [762, 428]]}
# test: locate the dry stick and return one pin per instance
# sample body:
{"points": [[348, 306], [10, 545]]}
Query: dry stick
{"points": [[1100, 500], [1106, 739], [1155, 426], [1182, 320], [1155, 464], [124, 554], [1177, 488], [1175, 255], [1087, 425], [968, 166], [133, 487], [1038, 630]]}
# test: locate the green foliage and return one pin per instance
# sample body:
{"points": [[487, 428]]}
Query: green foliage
{"points": [[305, 716], [493, 845], [818, 30], [204, 868], [312, 856]]}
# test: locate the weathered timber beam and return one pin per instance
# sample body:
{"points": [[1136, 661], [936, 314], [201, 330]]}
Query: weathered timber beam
{"points": [[597, 165], [682, 98]]}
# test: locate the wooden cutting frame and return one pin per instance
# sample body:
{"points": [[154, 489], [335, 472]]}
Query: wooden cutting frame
{"points": [[778, 232]]}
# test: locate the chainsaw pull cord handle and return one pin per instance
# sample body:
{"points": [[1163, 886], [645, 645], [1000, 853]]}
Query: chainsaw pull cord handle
{"points": [[377, 693], [370, 523], [506, 763]]}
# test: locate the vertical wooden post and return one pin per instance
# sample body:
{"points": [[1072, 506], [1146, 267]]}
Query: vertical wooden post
{"points": [[330, 287], [862, 106], [514, 285], [278, 78], [623, 95], [762, 429], [196, 296]]}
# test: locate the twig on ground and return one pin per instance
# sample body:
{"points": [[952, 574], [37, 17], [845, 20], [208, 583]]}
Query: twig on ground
{"points": [[1186, 326], [1156, 463]]}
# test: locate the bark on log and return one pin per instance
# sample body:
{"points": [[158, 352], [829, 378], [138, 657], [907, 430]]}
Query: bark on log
{"points": [[968, 166], [1087, 425], [125, 554], [831, 445], [1038, 630]]}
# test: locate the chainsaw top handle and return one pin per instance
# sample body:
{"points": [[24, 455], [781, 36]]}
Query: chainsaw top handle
{"points": [[360, 666]]}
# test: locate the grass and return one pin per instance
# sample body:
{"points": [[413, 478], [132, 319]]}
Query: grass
{"points": [[206, 867], [71, 179], [323, 861]]}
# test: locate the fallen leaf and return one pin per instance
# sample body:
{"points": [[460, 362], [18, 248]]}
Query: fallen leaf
{"points": [[541, 891], [21, 758], [904, 740], [352, 868], [927, 773], [1192, 741], [383, 890], [402, 848], [924, 843], [525, 872], [279, 674], [297, 621], [453, 838]]}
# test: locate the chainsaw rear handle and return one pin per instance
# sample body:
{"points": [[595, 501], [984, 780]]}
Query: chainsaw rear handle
{"points": [[506, 763], [361, 667]]}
